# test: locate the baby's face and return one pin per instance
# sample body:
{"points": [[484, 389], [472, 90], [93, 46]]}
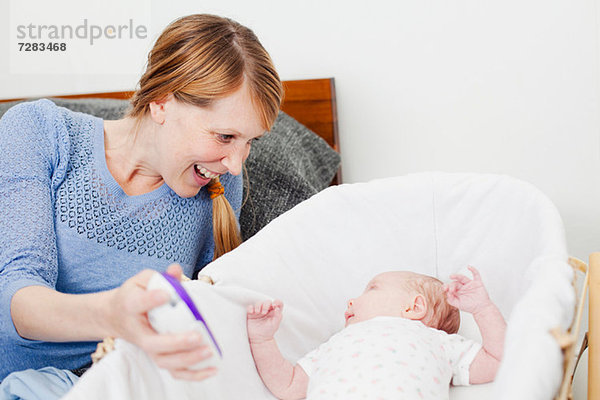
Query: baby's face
{"points": [[385, 295]]}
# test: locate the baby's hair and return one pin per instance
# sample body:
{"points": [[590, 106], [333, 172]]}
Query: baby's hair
{"points": [[440, 315]]}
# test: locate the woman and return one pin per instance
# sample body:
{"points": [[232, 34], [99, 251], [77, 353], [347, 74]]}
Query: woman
{"points": [[90, 207]]}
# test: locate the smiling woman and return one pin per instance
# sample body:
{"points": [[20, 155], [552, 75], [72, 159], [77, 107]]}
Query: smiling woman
{"points": [[90, 204]]}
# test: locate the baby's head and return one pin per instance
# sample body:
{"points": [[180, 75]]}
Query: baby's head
{"points": [[408, 295]]}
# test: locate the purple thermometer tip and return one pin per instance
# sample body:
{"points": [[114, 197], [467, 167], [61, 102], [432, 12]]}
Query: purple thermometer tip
{"points": [[183, 295]]}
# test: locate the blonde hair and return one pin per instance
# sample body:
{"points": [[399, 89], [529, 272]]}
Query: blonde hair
{"points": [[440, 314], [199, 59]]}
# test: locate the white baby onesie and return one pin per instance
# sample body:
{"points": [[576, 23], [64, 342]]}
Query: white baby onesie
{"points": [[388, 358]]}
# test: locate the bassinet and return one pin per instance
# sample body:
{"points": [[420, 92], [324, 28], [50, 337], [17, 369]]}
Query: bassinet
{"points": [[323, 251]]}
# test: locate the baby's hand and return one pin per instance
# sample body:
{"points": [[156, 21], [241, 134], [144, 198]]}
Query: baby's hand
{"points": [[263, 319], [467, 294]]}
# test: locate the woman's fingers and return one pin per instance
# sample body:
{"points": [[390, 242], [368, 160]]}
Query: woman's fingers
{"points": [[141, 301], [183, 359], [133, 297], [128, 305], [175, 271], [193, 375], [171, 342], [141, 278]]}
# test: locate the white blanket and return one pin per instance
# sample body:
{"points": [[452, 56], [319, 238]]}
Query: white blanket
{"points": [[323, 252]]}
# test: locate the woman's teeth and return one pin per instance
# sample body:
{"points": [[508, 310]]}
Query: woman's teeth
{"points": [[204, 172]]}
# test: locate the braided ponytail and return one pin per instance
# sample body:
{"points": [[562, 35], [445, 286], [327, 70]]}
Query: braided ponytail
{"points": [[226, 233]]}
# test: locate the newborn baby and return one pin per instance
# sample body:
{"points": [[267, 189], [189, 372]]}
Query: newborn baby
{"points": [[399, 342]]}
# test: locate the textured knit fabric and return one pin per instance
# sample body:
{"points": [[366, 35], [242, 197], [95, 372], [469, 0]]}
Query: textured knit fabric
{"points": [[286, 166], [66, 224], [388, 358]]}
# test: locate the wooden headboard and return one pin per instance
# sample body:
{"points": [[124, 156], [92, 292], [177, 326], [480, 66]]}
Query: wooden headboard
{"points": [[311, 102]]}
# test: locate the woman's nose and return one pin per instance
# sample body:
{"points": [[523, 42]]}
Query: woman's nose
{"points": [[234, 160], [350, 302]]}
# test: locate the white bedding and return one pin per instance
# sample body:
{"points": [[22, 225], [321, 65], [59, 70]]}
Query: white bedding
{"points": [[323, 252]]}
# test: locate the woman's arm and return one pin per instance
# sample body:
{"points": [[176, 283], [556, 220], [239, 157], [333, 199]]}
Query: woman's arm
{"points": [[33, 160], [41, 313]]}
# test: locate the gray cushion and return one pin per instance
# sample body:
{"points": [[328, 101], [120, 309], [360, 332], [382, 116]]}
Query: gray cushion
{"points": [[102, 108], [286, 166]]}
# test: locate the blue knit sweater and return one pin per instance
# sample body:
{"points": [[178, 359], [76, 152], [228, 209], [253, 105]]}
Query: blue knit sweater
{"points": [[66, 224]]}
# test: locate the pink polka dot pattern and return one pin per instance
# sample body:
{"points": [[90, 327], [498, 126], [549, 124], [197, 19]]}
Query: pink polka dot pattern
{"points": [[388, 358]]}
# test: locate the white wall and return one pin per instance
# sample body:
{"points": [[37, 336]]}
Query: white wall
{"points": [[505, 87], [508, 87]]}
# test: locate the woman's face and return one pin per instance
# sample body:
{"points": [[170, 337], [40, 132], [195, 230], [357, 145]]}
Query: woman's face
{"points": [[199, 143]]}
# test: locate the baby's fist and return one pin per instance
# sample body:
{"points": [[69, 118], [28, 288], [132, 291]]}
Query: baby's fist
{"points": [[263, 319]]}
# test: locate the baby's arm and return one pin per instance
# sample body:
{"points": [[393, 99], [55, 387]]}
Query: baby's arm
{"points": [[471, 296], [283, 379]]}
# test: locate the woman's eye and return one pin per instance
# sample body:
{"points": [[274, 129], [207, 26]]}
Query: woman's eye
{"points": [[224, 138], [253, 141]]}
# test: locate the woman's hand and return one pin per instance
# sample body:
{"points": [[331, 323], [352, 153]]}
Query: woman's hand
{"points": [[128, 319], [263, 319]]}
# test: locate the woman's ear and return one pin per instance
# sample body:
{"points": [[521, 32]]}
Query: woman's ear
{"points": [[158, 109], [417, 309]]}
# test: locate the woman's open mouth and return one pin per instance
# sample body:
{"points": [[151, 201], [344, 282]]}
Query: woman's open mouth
{"points": [[204, 173]]}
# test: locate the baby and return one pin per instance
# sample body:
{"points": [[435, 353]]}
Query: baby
{"points": [[399, 342]]}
